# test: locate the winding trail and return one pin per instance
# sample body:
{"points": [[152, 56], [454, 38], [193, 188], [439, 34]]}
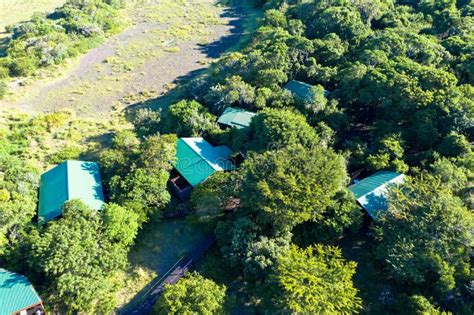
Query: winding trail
{"points": [[167, 41]]}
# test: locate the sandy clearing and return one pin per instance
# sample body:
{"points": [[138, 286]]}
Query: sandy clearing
{"points": [[159, 48]]}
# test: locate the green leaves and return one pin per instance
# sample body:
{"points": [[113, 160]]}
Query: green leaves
{"points": [[71, 29], [315, 280], [79, 254], [18, 197], [286, 187], [274, 128], [426, 235], [189, 119], [138, 172], [193, 294]]}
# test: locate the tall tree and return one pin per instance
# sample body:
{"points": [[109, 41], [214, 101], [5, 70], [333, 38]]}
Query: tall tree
{"points": [[77, 258], [273, 128], [193, 294], [315, 280], [286, 187], [426, 234], [18, 197]]}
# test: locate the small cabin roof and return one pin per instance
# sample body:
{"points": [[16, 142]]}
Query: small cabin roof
{"points": [[371, 192], [197, 159], [66, 181], [236, 117], [16, 293], [302, 90]]}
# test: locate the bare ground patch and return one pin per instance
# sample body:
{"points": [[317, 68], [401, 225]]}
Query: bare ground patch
{"points": [[168, 39]]}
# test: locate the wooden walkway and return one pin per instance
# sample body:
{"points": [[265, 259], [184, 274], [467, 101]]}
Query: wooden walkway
{"points": [[147, 300]]}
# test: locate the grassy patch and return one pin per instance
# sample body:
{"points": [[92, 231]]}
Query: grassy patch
{"points": [[157, 248], [360, 247], [14, 11], [178, 21], [128, 63], [48, 139]]}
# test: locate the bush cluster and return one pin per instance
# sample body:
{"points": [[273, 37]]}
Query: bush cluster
{"points": [[48, 39]]}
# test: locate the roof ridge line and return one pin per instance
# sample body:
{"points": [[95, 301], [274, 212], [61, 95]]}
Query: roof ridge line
{"points": [[202, 158], [67, 180]]}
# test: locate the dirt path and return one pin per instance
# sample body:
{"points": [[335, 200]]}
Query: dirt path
{"points": [[169, 39]]}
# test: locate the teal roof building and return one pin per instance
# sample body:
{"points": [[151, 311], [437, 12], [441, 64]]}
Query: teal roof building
{"points": [[69, 180], [302, 90], [371, 192], [197, 159], [236, 118], [17, 294]]}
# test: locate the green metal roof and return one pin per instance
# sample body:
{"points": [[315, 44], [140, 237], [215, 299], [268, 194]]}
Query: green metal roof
{"points": [[16, 293], [196, 159], [69, 180], [371, 192], [236, 117], [302, 90]]}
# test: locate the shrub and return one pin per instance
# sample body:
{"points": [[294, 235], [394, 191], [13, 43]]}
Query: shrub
{"points": [[193, 294], [3, 72], [22, 67], [70, 30], [67, 153], [3, 89]]}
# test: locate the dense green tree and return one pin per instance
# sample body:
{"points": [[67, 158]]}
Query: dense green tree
{"points": [[290, 186], [235, 91], [189, 119], [261, 256], [372, 9], [330, 49], [193, 294], [71, 29], [146, 121], [315, 280], [272, 128], [389, 155], [18, 196], [324, 18], [418, 304], [454, 145], [343, 214], [235, 237], [210, 197], [157, 152], [118, 159], [137, 172], [426, 235], [77, 258], [452, 173], [143, 191], [121, 224]]}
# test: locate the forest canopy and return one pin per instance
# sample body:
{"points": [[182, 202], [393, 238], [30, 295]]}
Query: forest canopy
{"points": [[391, 85]]}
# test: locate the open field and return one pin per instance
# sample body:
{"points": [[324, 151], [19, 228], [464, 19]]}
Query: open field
{"points": [[167, 40], [14, 11]]}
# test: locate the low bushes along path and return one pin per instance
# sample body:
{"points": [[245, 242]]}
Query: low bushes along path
{"points": [[167, 39]]}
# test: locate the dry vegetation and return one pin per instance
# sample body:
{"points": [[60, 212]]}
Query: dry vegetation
{"points": [[14, 11], [162, 44]]}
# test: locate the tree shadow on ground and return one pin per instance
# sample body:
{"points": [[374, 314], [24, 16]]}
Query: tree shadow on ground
{"points": [[236, 13], [159, 247], [4, 44]]}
